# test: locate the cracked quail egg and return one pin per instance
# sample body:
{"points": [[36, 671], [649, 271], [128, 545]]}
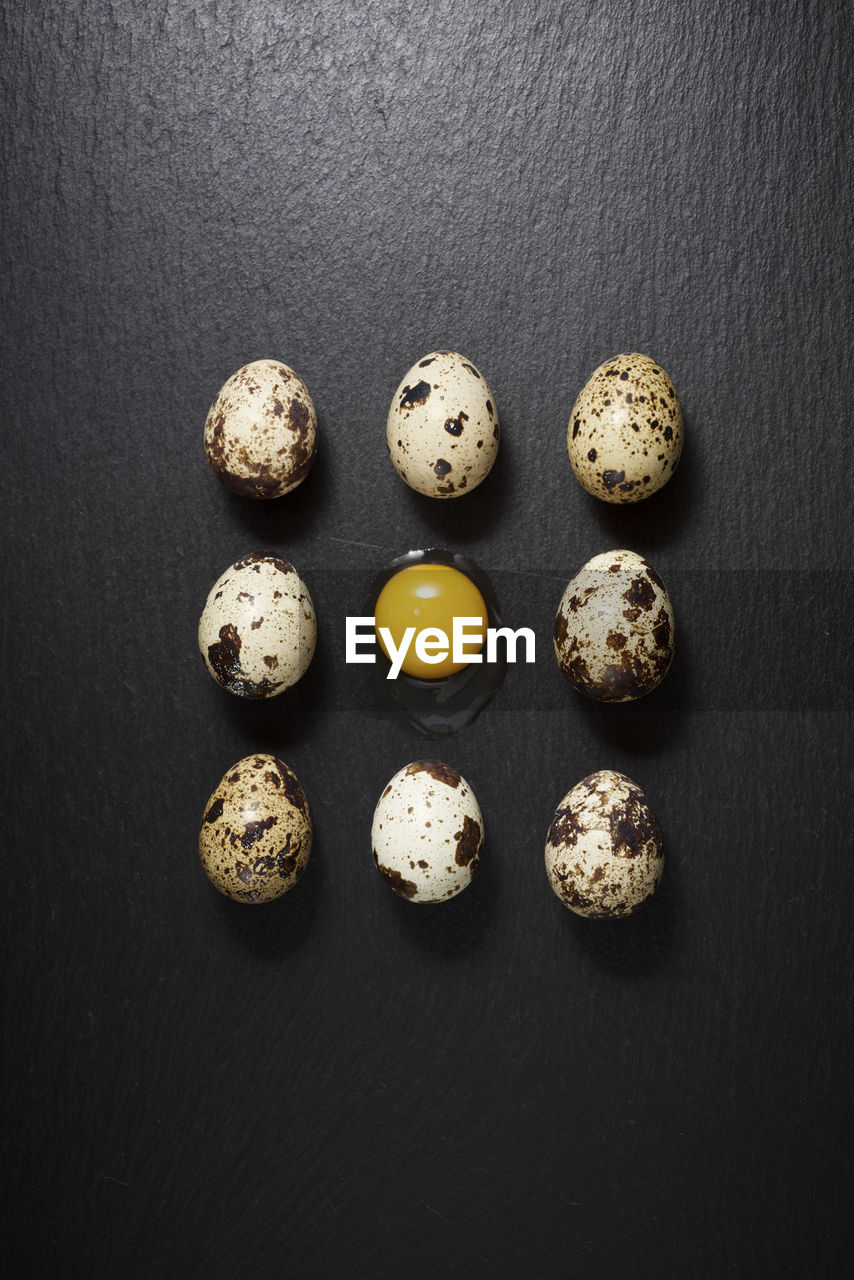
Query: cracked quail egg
{"points": [[427, 832], [625, 433], [425, 589], [258, 631], [261, 431], [614, 631], [255, 837], [603, 851], [442, 429]]}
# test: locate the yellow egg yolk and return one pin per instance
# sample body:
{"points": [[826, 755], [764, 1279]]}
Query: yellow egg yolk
{"points": [[430, 596]]}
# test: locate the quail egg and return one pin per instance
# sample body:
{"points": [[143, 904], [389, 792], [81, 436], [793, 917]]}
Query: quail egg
{"points": [[427, 832], [261, 431], [257, 631], [614, 631], [442, 427], [255, 836], [603, 851], [625, 434]]}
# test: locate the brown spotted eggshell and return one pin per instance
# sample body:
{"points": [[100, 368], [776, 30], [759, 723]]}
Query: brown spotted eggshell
{"points": [[625, 433], [261, 431], [614, 633], [603, 851], [258, 630], [255, 836], [442, 429], [427, 832]]}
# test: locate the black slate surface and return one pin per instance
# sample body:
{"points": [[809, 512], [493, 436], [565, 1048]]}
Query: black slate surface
{"points": [[342, 1084]]}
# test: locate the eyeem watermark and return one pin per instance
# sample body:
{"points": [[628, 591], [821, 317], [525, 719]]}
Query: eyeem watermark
{"points": [[432, 644]]}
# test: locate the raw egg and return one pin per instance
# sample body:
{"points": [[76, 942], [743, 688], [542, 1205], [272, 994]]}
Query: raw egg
{"points": [[438, 704], [428, 597]]}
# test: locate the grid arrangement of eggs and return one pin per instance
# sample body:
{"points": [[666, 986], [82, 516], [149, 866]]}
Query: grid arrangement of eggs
{"points": [[613, 634]]}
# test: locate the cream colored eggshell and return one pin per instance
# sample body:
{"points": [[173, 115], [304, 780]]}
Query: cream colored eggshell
{"points": [[442, 428], [614, 634], [427, 832], [261, 430], [625, 433], [258, 631], [603, 851], [255, 837]]}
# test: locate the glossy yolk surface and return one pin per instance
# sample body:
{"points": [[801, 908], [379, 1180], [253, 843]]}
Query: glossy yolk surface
{"points": [[430, 595]]}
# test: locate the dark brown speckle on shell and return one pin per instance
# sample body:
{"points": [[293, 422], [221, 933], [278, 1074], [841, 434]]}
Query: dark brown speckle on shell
{"points": [[468, 842], [402, 887], [437, 770]]}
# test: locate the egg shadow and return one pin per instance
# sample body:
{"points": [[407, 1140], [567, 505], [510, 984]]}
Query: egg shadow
{"points": [[455, 928], [274, 930], [646, 725], [471, 516], [658, 520], [275, 522], [637, 945], [286, 720]]}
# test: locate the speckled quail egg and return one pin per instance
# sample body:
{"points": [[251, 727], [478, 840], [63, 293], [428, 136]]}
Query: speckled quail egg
{"points": [[625, 434], [255, 836], [427, 832], [442, 427], [603, 851], [257, 631], [261, 431], [614, 631]]}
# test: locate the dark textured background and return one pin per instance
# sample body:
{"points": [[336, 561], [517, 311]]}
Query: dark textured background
{"points": [[341, 1083]]}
